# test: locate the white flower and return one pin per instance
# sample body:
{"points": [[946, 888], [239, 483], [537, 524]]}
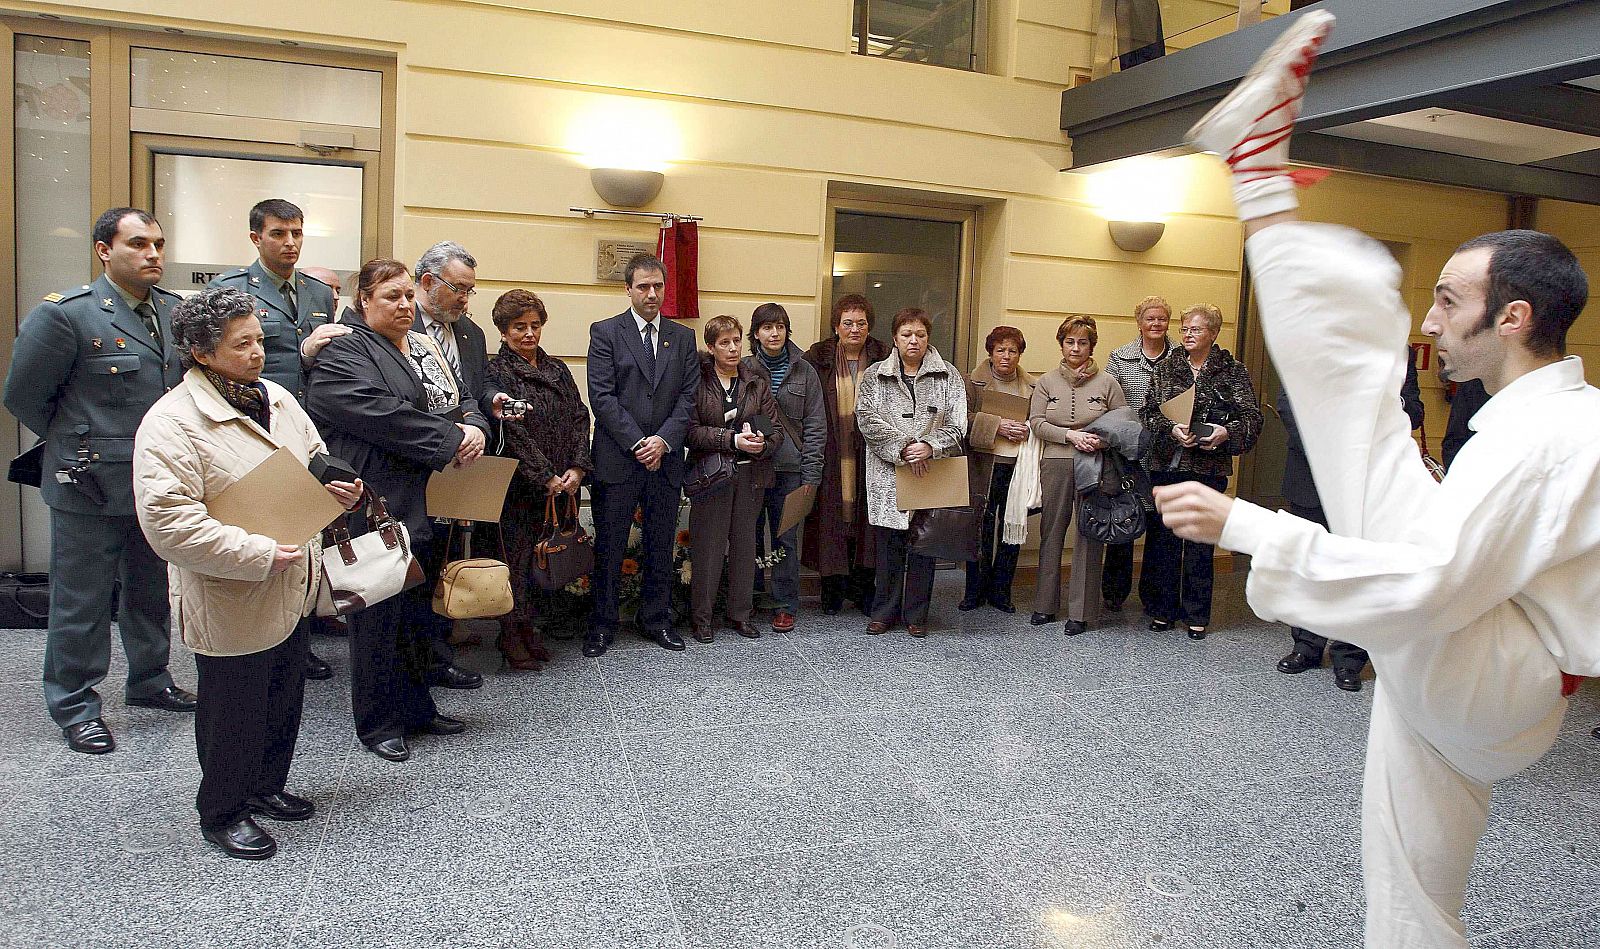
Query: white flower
{"points": [[686, 572]]}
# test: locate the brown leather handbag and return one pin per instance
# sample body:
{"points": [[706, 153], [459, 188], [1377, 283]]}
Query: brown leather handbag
{"points": [[565, 551]]}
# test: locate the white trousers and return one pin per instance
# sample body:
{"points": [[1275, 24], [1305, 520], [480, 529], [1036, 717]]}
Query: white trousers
{"points": [[1452, 713]]}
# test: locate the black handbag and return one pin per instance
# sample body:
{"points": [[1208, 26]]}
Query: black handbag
{"points": [[1111, 511], [710, 472], [950, 533], [24, 600], [565, 551]]}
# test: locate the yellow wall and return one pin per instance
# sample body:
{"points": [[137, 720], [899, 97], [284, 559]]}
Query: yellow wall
{"points": [[764, 109], [1579, 226]]}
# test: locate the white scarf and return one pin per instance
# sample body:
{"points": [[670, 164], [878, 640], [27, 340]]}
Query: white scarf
{"points": [[1025, 492]]}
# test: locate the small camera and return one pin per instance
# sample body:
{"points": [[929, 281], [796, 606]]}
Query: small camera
{"points": [[517, 407]]}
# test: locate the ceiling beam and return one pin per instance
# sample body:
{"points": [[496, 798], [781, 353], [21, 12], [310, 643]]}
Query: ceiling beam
{"points": [[1415, 164], [1562, 107]]}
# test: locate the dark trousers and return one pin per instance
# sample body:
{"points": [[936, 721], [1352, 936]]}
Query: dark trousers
{"points": [[722, 529], [439, 628], [89, 554], [1116, 582], [991, 574], [1307, 643], [860, 584], [1180, 571], [614, 505], [246, 725], [905, 580], [786, 572], [391, 646]]}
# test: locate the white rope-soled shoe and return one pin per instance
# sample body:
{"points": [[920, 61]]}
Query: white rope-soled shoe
{"points": [[1251, 126]]}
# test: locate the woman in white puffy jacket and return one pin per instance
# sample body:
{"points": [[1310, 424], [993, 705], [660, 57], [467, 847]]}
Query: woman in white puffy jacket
{"points": [[238, 599]]}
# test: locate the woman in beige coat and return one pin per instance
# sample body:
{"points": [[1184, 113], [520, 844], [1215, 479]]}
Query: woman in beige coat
{"points": [[237, 598], [1065, 400]]}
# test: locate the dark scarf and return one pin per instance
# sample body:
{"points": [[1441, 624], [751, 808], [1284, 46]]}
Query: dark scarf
{"points": [[249, 398], [777, 366]]}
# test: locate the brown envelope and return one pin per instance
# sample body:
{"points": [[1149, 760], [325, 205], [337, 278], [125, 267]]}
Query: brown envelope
{"points": [[945, 485], [278, 499], [796, 506], [1004, 404], [1180, 408], [476, 492]]}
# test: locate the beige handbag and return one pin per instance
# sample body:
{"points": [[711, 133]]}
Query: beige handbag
{"points": [[475, 587]]}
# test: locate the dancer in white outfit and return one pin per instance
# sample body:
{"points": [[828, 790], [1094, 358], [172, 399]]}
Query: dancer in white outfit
{"points": [[1475, 597]]}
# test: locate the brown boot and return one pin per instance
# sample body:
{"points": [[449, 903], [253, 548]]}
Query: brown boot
{"points": [[513, 648], [533, 640]]}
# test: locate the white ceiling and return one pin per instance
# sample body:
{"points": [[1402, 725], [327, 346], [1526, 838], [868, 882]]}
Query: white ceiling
{"points": [[1473, 136]]}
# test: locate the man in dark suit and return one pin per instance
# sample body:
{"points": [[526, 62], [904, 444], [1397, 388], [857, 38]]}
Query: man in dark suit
{"points": [[295, 309], [1304, 501], [447, 278], [643, 372], [88, 363]]}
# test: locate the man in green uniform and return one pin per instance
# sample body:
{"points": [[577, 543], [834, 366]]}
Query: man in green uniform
{"points": [[87, 365], [296, 311]]}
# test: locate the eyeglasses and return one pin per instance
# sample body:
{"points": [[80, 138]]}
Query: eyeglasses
{"points": [[470, 291], [1194, 331]]}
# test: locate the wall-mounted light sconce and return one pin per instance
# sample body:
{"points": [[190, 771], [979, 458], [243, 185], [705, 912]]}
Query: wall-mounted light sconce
{"points": [[626, 187], [1136, 236]]}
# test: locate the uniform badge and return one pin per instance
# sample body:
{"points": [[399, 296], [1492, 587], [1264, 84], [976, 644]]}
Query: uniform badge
{"points": [[665, 344], [107, 301], [255, 279], [53, 298], [122, 343], [261, 312], [95, 342]]}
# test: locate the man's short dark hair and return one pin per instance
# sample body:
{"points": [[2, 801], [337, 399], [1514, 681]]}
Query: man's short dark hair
{"points": [[640, 262], [273, 207], [200, 321], [105, 226], [1537, 268]]}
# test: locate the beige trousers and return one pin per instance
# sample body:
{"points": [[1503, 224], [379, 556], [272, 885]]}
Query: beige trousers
{"points": [[1059, 499]]}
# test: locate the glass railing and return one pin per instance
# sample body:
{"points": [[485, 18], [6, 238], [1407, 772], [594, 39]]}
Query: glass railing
{"points": [[1131, 32]]}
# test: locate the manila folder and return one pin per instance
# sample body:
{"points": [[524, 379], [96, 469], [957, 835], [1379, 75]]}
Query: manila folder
{"points": [[475, 492], [1180, 408], [796, 506], [279, 499], [944, 485], [1005, 405]]}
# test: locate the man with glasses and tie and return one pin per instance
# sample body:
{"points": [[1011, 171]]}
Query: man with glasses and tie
{"points": [[87, 365], [447, 278], [295, 308], [643, 372]]}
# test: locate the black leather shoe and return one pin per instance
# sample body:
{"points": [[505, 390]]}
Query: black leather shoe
{"points": [[1297, 662], [1347, 679], [969, 603], [1196, 631], [745, 630], [1003, 604], [1596, 732], [595, 643], [1161, 625], [1076, 627], [393, 749], [243, 840], [831, 608], [316, 668], [443, 725], [91, 737], [1112, 606], [280, 806], [454, 677], [1039, 619], [665, 638], [171, 699]]}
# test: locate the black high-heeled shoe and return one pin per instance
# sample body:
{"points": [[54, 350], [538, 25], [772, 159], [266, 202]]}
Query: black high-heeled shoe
{"points": [[1161, 625], [1197, 632]]}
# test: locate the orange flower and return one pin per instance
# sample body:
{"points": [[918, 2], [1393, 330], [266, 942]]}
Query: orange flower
{"points": [[683, 538], [630, 567], [638, 515]]}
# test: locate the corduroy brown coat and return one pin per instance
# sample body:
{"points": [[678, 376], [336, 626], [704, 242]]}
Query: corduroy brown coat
{"points": [[826, 545]]}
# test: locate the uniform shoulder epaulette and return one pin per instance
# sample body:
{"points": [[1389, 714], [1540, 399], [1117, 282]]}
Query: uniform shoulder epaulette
{"points": [[242, 271], [82, 291], [314, 280], [167, 293]]}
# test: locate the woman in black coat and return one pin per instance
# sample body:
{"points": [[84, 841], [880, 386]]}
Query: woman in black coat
{"points": [[386, 401]]}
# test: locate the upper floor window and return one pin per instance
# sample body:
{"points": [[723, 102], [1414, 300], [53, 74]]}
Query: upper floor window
{"points": [[941, 32]]}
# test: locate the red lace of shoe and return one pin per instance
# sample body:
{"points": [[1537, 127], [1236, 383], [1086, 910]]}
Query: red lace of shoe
{"points": [[1301, 69]]}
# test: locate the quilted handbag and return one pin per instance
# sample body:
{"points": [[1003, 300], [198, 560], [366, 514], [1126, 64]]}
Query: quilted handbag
{"points": [[564, 552], [358, 572], [473, 587], [1110, 511]]}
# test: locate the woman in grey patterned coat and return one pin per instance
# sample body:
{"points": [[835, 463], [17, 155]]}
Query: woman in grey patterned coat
{"points": [[911, 408]]}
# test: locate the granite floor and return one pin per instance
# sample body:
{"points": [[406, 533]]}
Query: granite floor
{"points": [[995, 785]]}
